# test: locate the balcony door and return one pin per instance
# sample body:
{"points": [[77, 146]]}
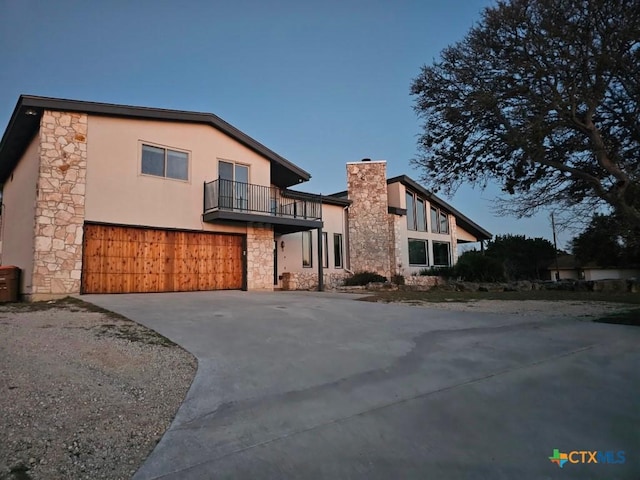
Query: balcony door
{"points": [[234, 185]]}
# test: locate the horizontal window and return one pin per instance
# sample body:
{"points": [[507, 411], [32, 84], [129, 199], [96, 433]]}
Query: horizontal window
{"points": [[417, 252], [163, 162]]}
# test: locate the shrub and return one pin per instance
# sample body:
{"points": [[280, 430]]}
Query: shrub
{"points": [[474, 266], [445, 272], [398, 279], [364, 278]]}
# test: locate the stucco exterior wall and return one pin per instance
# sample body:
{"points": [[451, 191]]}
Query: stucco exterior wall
{"points": [[464, 236], [18, 215], [610, 273], [117, 191], [290, 257], [395, 195]]}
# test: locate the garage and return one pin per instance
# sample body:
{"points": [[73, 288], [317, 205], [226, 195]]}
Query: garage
{"points": [[118, 259]]}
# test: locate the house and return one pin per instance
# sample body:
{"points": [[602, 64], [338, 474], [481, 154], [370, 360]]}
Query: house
{"points": [[103, 198], [391, 226], [569, 268]]}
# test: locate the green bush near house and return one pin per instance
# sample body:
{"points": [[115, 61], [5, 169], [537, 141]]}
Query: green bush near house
{"points": [[364, 278], [474, 266], [444, 272]]}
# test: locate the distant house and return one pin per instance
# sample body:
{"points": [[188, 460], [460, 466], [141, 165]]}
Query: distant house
{"points": [[569, 268], [103, 198]]}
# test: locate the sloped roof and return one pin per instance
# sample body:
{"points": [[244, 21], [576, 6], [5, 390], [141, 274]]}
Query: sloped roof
{"points": [[465, 222], [25, 121]]}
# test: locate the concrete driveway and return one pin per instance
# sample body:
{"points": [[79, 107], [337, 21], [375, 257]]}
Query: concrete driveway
{"points": [[307, 385]]}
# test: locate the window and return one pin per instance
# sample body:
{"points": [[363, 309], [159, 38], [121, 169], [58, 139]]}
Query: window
{"points": [[411, 218], [441, 255], [418, 252], [234, 185], [421, 220], [337, 250], [163, 162], [306, 250], [444, 223], [416, 219], [325, 250], [439, 221], [434, 220]]}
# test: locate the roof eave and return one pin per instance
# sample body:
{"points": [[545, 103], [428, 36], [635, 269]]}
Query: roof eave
{"points": [[283, 172]]}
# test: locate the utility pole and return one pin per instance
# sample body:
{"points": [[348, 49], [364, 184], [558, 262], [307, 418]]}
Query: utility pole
{"points": [[555, 246]]}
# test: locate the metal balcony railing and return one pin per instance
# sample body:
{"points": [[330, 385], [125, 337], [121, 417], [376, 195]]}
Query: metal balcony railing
{"points": [[248, 198]]}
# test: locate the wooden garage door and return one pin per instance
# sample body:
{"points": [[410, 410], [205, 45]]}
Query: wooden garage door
{"points": [[124, 259]]}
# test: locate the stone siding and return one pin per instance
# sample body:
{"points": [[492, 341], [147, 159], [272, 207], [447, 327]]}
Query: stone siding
{"points": [[309, 280], [424, 281], [369, 236], [259, 258], [395, 247], [59, 213], [453, 230]]}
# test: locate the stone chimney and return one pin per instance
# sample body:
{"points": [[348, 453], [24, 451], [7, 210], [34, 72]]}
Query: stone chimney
{"points": [[369, 235]]}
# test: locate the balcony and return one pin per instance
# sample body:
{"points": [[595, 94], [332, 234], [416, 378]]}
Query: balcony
{"points": [[226, 200]]}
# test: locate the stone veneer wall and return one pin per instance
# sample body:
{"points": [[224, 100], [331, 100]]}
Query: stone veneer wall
{"points": [[369, 235], [309, 280], [425, 281], [259, 258], [395, 247], [453, 230], [59, 213]]}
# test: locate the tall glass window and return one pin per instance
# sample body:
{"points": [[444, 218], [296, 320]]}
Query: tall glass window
{"points": [[337, 250], [306, 250], [435, 222], [325, 250], [411, 216], [421, 219]]}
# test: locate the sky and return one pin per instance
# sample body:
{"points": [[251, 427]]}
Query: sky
{"points": [[321, 83]]}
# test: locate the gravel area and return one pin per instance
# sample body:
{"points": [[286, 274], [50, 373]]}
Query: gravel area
{"points": [[85, 394]]}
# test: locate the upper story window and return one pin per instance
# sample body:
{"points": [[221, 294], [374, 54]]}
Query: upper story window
{"points": [[233, 171], [164, 162], [416, 213], [439, 221], [233, 195]]}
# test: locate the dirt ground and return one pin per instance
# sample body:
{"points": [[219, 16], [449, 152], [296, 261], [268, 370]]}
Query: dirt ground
{"points": [[85, 394]]}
